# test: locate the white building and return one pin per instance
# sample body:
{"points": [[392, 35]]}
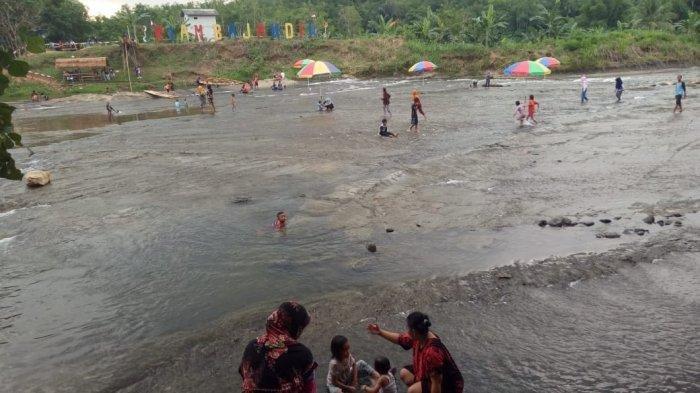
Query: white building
{"points": [[200, 17]]}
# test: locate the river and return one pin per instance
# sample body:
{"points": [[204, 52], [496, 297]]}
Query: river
{"points": [[155, 236]]}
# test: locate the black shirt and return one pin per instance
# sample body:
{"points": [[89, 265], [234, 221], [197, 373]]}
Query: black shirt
{"points": [[297, 360]]}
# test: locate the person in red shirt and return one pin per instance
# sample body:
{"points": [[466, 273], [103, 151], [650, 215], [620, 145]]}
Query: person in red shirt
{"points": [[531, 104], [433, 369], [280, 222]]}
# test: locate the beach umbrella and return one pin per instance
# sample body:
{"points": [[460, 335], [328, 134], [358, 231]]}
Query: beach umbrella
{"points": [[549, 62], [422, 66], [301, 63], [527, 68], [317, 68]]}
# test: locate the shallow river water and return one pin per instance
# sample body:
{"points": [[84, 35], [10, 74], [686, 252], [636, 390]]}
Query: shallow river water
{"points": [[160, 227]]}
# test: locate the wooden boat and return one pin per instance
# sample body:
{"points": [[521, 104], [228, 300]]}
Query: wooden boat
{"points": [[160, 94]]}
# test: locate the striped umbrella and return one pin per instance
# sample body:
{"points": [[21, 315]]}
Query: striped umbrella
{"points": [[301, 63], [549, 62], [422, 66], [527, 68], [316, 68]]}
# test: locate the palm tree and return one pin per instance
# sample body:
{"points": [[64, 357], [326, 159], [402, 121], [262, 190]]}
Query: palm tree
{"points": [[383, 26], [487, 26], [653, 14], [552, 24]]}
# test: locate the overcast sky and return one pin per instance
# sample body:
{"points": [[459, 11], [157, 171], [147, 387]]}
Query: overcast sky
{"points": [[109, 7]]}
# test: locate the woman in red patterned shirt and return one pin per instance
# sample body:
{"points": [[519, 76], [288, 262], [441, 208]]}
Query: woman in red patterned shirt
{"points": [[433, 369]]}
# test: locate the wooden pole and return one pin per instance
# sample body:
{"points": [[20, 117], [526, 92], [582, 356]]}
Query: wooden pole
{"points": [[128, 69]]}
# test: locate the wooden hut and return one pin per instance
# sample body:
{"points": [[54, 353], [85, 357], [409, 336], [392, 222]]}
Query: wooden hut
{"points": [[82, 69]]}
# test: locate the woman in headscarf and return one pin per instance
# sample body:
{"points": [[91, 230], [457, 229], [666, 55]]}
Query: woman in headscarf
{"points": [[275, 361], [433, 369]]}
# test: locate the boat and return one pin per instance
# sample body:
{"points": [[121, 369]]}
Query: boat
{"points": [[160, 94]]}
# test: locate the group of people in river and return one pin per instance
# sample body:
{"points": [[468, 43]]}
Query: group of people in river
{"points": [[277, 362], [416, 108], [532, 105]]}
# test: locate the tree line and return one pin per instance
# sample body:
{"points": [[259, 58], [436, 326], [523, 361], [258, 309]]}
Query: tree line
{"points": [[477, 21]]}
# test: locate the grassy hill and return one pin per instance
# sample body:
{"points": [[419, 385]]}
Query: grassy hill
{"points": [[373, 57]]}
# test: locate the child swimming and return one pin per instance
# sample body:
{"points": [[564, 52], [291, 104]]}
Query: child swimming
{"points": [[280, 221]]}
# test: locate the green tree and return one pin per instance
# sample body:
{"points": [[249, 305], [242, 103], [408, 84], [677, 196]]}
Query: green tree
{"points": [[487, 26], [603, 13], [551, 23], [64, 20], [8, 137], [653, 14], [350, 20]]}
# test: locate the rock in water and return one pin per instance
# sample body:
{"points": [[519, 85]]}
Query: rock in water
{"points": [[37, 178], [372, 247], [608, 235], [661, 222], [389, 230], [640, 231], [542, 223], [649, 219], [605, 220], [677, 224], [560, 222], [587, 223]]}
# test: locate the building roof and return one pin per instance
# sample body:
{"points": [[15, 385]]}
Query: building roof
{"points": [[199, 12], [81, 62]]}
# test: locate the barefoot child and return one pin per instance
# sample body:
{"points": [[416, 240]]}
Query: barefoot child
{"points": [[531, 105], [519, 112], [415, 108], [384, 130], [386, 100], [233, 102], [342, 370], [383, 381]]}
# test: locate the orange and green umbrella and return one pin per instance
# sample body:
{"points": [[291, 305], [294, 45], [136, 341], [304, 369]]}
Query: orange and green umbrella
{"points": [[318, 68], [302, 63], [527, 68]]}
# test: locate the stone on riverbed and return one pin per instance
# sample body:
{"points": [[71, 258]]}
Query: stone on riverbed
{"points": [[608, 235], [560, 222], [648, 219], [37, 178], [372, 247], [605, 220]]}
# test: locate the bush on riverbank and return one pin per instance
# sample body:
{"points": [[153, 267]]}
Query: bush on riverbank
{"points": [[587, 51]]}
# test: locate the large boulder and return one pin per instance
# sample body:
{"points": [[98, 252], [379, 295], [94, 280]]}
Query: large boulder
{"points": [[37, 178]]}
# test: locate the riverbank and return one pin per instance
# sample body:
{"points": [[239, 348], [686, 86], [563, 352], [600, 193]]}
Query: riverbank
{"points": [[372, 57]]}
